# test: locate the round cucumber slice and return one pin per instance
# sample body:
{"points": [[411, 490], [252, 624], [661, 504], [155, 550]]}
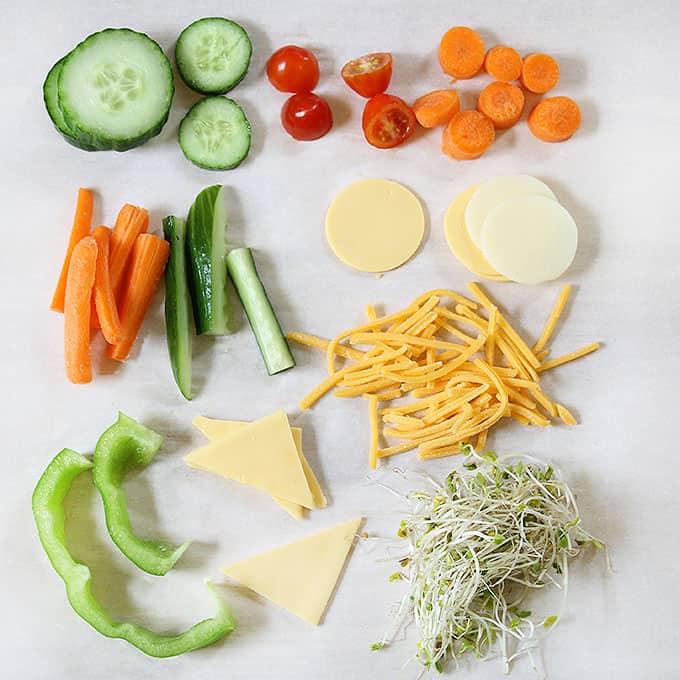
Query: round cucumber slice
{"points": [[115, 89], [213, 55], [52, 105], [215, 134]]}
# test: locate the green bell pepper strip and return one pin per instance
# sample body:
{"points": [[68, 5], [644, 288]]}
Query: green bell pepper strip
{"points": [[124, 445], [50, 518]]}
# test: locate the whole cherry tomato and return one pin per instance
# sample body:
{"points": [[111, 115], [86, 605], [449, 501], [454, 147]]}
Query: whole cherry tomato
{"points": [[368, 75], [306, 116], [293, 69], [388, 121]]}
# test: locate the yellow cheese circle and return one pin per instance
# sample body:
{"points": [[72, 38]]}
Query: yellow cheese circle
{"points": [[458, 238], [375, 225]]}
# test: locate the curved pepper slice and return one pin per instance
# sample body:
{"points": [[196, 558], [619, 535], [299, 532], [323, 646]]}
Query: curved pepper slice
{"points": [[124, 445], [48, 510]]}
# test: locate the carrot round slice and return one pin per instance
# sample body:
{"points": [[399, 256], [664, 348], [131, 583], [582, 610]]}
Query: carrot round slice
{"points": [[503, 103], [468, 135], [555, 119], [461, 52], [503, 63], [540, 73], [77, 307], [436, 108]]}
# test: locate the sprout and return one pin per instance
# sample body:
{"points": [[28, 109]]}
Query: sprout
{"points": [[477, 545]]}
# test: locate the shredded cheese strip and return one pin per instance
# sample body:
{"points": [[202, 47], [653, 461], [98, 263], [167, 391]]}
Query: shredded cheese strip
{"points": [[553, 319], [566, 358], [375, 432], [451, 392]]}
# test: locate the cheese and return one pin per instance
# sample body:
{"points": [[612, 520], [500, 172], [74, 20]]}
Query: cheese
{"points": [[300, 576], [261, 454], [493, 193], [375, 225], [529, 238], [214, 429], [459, 240]]}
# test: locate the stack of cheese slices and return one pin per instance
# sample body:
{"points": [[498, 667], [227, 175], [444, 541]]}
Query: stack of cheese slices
{"points": [[511, 228]]}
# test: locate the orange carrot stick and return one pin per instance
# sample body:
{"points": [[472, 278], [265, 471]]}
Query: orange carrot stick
{"points": [[461, 52], [555, 119], [82, 221], [436, 108], [540, 73], [130, 223], [503, 103], [77, 306], [503, 63], [468, 135], [105, 301], [147, 263]]}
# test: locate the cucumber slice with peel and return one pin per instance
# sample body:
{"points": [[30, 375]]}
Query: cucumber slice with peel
{"points": [[213, 55], [215, 134], [51, 99], [115, 89], [206, 252]]}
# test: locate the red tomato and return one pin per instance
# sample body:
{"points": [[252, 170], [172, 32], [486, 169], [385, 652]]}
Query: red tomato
{"points": [[368, 75], [306, 116], [387, 121], [293, 69]]}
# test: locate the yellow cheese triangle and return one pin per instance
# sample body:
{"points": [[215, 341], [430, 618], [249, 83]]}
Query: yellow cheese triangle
{"points": [[300, 576], [214, 429], [261, 454]]}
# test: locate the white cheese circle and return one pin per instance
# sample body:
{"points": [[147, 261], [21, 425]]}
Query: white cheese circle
{"points": [[375, 225], [529, 238], [495, 191]]}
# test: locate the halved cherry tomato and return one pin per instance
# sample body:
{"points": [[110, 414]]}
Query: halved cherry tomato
{"points": [[306, 116], [293, 69], [387, 121], [368, 75]]}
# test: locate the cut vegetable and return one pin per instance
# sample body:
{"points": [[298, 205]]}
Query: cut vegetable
{"points": [[468, 135], [271, 341], [436, 108], [529, 238], [300, 576], [503, 63], [213, 55], [215, 134], [458, 238], [115, 89], [368, 75], [77, 309], [82, 223], [503, 103], [50, 518], [122, 447], [104, 299], [207, 252], [130, 223], [461, 52], [555, 119], [178, 305], [147, 264], [261, 454], [51, 99], [375, 225], [540, 73], [493, 193]]}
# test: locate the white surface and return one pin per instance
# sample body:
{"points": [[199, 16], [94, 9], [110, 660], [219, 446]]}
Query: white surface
{"points": [[617, 176]]}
